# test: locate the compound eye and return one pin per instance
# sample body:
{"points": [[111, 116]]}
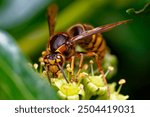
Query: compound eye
{"points": [[76, 30], [58, 40], [58, 56], [59, 59]]}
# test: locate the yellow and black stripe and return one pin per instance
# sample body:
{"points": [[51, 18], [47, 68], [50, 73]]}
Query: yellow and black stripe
{"points": [[97, 44]]}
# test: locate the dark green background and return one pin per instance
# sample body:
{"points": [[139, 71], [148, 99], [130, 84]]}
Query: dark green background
{"points": [[27, 23]]}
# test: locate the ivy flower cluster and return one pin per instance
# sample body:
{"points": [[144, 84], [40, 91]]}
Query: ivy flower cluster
{"points": [[88, 85]]}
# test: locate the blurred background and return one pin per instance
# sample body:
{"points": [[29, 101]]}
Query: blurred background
{"points": [[26, 22]]}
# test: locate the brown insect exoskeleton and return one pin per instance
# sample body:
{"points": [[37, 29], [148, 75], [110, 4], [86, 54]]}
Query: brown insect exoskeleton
{"points": [[61, 46]]}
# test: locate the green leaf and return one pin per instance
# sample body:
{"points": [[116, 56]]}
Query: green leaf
{"points": [[17, 79], [10, 17]]}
